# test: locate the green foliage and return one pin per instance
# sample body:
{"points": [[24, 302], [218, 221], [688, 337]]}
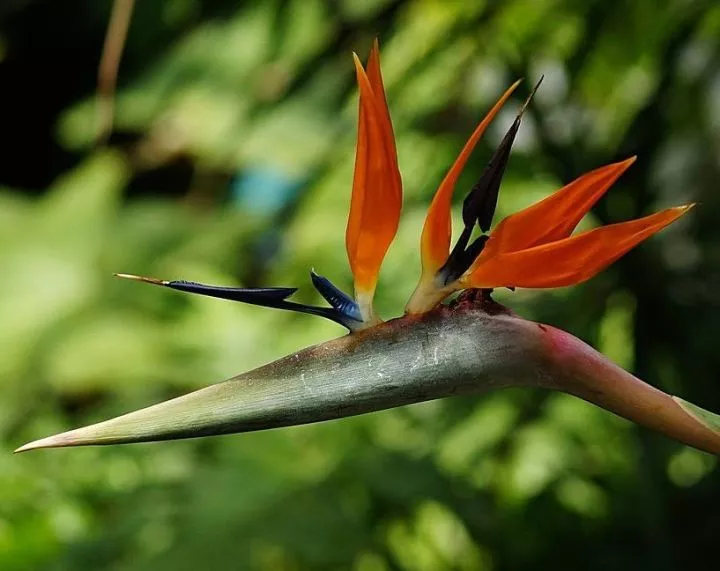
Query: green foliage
{"points": [[222, 90]]}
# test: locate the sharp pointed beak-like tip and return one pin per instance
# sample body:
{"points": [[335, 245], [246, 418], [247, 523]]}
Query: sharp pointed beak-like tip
{"points": [[142, 279], [27, 447], [56, 441]]}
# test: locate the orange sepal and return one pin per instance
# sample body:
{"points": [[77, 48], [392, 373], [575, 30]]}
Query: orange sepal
{"points": [[556, 216], [437, 231], [377, 193], [374, 74], [569, 261]]}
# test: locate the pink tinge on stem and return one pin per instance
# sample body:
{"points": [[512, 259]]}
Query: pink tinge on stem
{"points": [[589, 375]]}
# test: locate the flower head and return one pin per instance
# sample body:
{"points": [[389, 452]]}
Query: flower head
{"points": [[533, 248]]}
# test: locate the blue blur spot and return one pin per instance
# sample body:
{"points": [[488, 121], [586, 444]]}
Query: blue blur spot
{"points": [[264, 190]]}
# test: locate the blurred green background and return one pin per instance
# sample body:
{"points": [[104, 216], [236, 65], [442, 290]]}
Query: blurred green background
{"points": [[231, 163]]}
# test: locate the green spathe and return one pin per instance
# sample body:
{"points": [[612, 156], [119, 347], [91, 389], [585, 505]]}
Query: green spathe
{"points": [[472, 347]]}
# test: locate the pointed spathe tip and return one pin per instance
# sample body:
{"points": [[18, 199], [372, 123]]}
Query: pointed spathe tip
{"points": [[57, 441], [30, 446]]}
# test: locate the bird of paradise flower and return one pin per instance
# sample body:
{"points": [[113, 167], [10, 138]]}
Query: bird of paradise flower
{"points": [[434, 350]]}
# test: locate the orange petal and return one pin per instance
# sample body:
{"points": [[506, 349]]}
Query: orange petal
{"points": [[568, 261], [555, 217], [357, 198], [377, 195], [437, 231], [376, 82]]}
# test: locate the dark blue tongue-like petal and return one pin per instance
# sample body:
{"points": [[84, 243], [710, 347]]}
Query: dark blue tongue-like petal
{"points": [[265, 297], [336, 297], [246, 295]]}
